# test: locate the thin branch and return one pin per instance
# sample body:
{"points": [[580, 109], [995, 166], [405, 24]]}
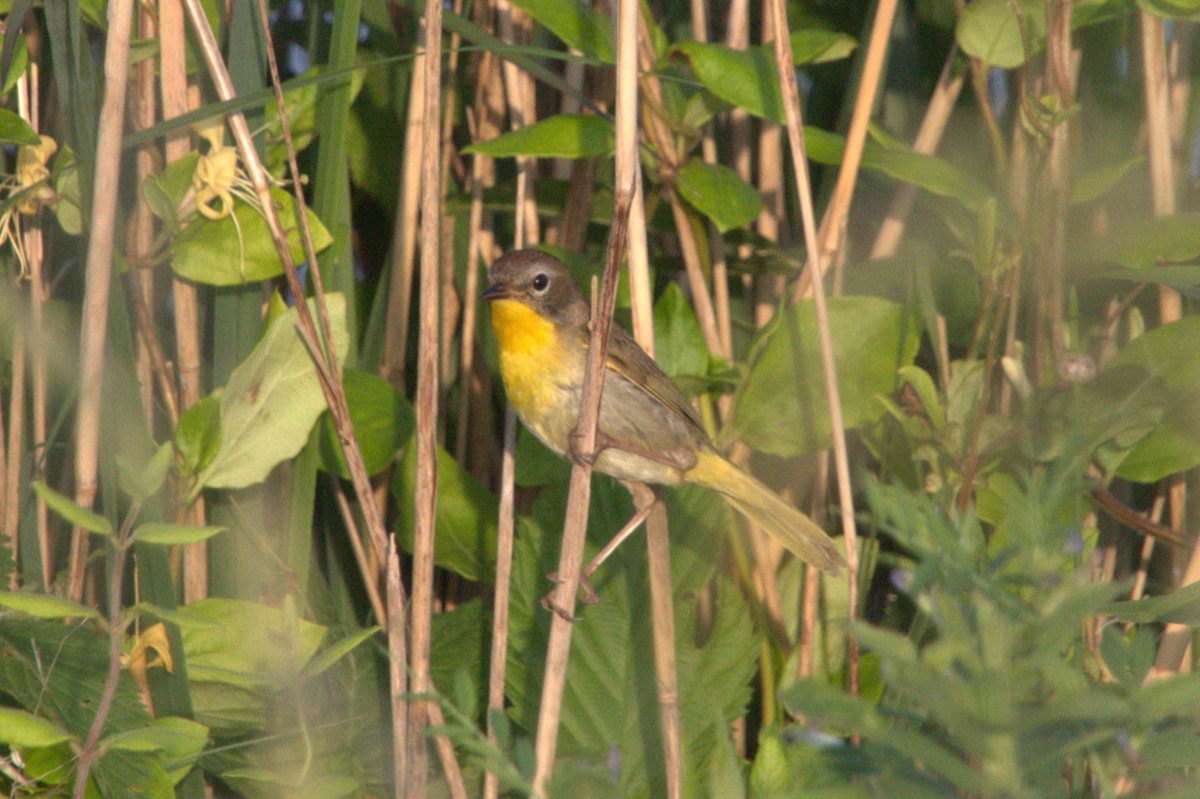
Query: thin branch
{"points": [[98, 277], [584, 437], [425, 501], [795, 128]]}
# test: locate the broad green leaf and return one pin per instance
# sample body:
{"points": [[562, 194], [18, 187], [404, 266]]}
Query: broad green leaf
{"points": [[73, 512], [18, 728], [225, 252], [678, 343], [1166, 354], [249, 646], [271, 402], [1181, 606], [301, 105], [173, 534], [748, 78], [927, 172], [718, 193], [782, 408], [990, 31], [466, 515], [198, 435], [65, 177], [576, 23], [43, 606], [16, 130], [142, 480], [333, 654], [162, 735], [561, 136], [1146, 242], [382, 419], [1095, 183]]}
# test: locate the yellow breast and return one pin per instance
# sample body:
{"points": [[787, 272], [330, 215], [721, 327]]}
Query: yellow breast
{"points": [[530, 348]]}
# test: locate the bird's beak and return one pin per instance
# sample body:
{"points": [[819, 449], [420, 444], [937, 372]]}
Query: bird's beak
{"points": [[496, 291]]}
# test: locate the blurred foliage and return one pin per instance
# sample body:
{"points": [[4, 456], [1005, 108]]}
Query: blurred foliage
{"points": [[999, 659]]}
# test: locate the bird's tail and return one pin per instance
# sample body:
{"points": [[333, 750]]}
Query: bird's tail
{"points": [[798, 533]]}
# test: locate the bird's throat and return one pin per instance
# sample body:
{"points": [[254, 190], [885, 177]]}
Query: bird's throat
{"points": [[529, 350]]}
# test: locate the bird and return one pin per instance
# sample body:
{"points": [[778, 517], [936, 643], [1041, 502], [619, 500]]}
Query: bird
{"points": [[648, 432]]}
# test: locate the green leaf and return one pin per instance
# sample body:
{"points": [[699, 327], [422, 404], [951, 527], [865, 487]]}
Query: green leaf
{"points": [[1166, 353], [272, 401], [43, 606], [678, 343], [142, 480], [173, 534], [927, 172], [382, 420], [333, 654], [465, 520], [576, 23], [561, 136], [1171, 9], [1146, 242], [781, 407], [989, 30], [718, 193], [1095, 183], [72, 511], [16, 130], [165, 191], [162, 735], [1181, 606], [225, 252], [18, 728], [198, 435], [748, 78]]}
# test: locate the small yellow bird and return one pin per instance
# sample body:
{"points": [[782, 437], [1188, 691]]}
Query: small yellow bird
{"points": [[648, 430]]}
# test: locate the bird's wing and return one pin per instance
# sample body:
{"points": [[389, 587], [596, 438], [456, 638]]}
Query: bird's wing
{"points": [[628, 359]]}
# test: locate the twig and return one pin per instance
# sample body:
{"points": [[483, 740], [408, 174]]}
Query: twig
{"points": [[937, 114], [504, 553], [397, 669], [833, 224], [425, 501], [98, 278], [795, 129], [88, 755], [584, 437]]}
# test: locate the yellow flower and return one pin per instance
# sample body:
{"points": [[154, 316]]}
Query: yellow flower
{"points": [[152, 639], [214, 178], [32, 170]]}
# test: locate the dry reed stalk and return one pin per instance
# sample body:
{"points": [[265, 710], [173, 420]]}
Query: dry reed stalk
{"points": [[795, 129], [514, 28], [768, 288], [425, 500], [708, 149], [397, 668], [98, 278], [658, 548], [833, 224], [929, 135], [487, 125], [360, 555], [31, 232], [575, 525], [1148, 543], [504, 553], [663, 611], [663, 139], [176, 101], [402, 256], [141, 228], [12, 482], [737, 36]]}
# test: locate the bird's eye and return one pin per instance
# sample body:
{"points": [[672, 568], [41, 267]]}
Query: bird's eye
{"points": [[540, 281]]}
